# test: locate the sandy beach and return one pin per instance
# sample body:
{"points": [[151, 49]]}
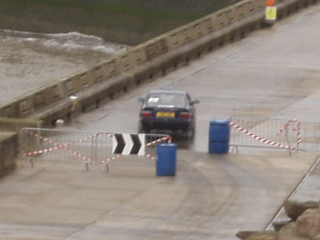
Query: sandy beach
{"points": [[31, 62]]}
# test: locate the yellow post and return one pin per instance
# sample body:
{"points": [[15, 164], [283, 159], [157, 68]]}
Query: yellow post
{"points": [[271, 13]]}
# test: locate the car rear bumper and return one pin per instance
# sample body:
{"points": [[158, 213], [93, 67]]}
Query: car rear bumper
{"points": [[180, 125]]}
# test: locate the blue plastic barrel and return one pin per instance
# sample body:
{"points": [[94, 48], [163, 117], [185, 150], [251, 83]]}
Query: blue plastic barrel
{"points": [[219, 136], [167, 159]]}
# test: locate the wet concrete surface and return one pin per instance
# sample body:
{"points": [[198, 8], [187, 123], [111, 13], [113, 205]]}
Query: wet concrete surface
{"points": [[268, 74], [211, 197]]}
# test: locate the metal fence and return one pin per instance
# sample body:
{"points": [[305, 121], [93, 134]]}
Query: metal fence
{"points": [[98, 148], [84, 147], [291, 135]]}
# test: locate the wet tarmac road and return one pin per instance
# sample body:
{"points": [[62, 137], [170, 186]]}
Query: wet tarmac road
{"points": [[213, 196]]}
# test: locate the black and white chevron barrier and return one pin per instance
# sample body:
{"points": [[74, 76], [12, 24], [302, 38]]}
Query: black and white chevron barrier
{"points": [[127, 144]]}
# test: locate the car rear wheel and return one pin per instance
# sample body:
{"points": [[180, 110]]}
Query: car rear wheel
{"points": [[141, 129], [190, 133]]}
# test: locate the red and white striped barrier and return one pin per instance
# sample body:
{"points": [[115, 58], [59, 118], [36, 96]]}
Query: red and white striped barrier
{"points": [[86, 160], [269, 142], [163, 139], [57, 146], [296, 126]]}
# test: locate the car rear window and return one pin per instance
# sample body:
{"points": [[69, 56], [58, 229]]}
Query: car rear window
{"points": [[166, 99]]}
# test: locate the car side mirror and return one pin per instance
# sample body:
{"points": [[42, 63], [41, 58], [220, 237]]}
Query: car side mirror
{"points": [[196, 101], [141, 99]]}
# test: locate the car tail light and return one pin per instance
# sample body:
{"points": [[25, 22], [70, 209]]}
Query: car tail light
{"points": [[146, 114], [185, 115]]}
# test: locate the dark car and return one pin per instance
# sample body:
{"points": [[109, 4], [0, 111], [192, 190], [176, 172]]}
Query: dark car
{"points": [[168, 111]]}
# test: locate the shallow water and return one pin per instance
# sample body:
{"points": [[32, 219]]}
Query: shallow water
{"points": [[71, 41], [32, 60]]}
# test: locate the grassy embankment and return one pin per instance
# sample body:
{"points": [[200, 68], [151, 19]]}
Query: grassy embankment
{"points": [[122, 21]]}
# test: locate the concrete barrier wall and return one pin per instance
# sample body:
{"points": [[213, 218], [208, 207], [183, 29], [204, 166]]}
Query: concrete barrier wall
{"points": [[9, 145], [145, 62], [14, 124], [8, 151]]}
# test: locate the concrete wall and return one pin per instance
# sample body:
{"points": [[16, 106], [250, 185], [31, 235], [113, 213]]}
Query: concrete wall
{"points": [[144, 62], [9, 147]]}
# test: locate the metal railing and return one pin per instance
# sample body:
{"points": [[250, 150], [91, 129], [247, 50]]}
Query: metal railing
{"points": [[84, 147], [291, 134]]}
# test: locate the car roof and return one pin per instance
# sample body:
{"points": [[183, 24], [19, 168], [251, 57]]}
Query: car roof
{"points": [[173, 91]]}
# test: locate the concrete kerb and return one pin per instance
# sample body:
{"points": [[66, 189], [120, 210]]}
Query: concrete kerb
{"points": [[8, 151], [49, 116], [23, 107], [187, 52], [44, 97], [155, 57], [131, 59], [284, 9], [16, 124], [287, 7], [102, 92], [9, 141]]}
